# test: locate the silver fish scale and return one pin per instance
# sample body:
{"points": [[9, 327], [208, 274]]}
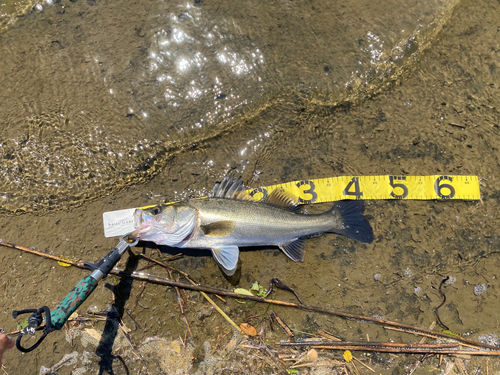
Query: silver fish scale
{"points": [[230, 219], [256, 224]]}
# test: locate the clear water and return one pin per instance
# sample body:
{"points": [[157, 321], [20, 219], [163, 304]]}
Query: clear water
{"points": [[110, 105], [97, 97]]}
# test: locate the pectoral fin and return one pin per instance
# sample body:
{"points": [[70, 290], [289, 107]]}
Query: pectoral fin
{"points": [[294, 249], [227, 258], [219, 228]]}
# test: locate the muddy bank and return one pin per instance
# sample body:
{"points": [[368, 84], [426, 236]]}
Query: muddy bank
{"points": [[440, 118]]}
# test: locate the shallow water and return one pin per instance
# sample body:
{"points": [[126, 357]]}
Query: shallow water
{"points": [[108, 106], [99, 96]]}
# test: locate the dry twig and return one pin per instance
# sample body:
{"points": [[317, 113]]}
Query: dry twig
{"points": [[391, 347], [181, 304], [228, 293]]}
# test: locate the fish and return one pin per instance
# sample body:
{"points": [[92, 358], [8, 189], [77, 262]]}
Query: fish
{"points": [[229, 218]]}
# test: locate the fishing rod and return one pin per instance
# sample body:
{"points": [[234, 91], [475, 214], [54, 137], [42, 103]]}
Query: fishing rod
{"points": [[55, 320]]}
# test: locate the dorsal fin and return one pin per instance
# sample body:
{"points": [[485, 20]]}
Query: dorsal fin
{"points": [[230, 188], [284, 199]]}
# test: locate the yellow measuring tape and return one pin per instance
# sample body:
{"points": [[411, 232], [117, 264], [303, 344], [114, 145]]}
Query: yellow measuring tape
{"points": [[442, 187], [378, 187]]}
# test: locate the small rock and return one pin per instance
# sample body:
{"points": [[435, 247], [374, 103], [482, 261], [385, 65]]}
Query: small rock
{"points": [[480, 289]]}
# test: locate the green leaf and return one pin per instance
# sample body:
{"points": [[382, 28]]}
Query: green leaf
{"points": [[451, 333], [243, 291], [258, 290], [23, 325], [256, 286]]}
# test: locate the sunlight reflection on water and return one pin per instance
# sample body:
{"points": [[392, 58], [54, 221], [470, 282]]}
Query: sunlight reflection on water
{"points": [[101, 102], [193, 59]]}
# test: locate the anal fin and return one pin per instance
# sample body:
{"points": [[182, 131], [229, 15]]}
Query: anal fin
{"points": [[227, 258], [294, 249]]}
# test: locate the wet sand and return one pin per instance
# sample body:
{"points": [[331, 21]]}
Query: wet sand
{"points": [[435, 114]]}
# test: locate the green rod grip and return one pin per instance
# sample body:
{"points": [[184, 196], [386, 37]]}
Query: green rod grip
{"points": [[72, 301]]}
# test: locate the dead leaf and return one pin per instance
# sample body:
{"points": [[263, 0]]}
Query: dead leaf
{"points": [[93, 333], [248, 329], [62, 263], [125, 329], [74, 315], [176, 346], [311, 356], [347, 356]]}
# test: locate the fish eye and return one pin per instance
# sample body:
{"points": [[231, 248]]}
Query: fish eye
{"points": [[156, 210]]}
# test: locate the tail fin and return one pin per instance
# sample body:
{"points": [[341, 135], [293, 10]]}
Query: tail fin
{"points": [[353, 224]]}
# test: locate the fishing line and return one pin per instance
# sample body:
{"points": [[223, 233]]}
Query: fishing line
{"points": [[442, 303]]}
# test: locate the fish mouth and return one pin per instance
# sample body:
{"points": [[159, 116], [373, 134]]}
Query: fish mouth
{"points": [[142, 224], [171, 230]]}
